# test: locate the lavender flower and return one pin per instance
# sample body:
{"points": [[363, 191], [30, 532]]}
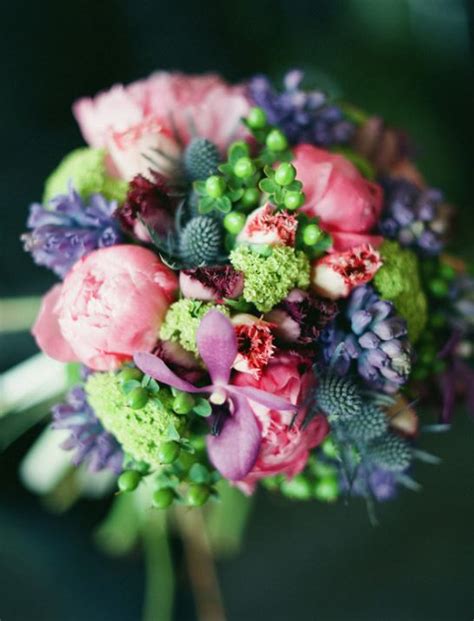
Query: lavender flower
{"points": [[416, 218], [376, 339], [69, 228], [91, 443], [302, 116]]}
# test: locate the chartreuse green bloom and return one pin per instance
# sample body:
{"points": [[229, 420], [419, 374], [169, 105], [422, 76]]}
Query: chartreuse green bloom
{"points": [[86, 169], [398, 280], [270, 277], [141, 432], [182, 321]]}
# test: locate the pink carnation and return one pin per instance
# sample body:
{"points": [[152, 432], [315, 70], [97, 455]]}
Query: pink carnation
{"points": [[160, 112], [265, 225], [335, 275], [255, 344], [347, 205], [284, 448], [110, 305]]}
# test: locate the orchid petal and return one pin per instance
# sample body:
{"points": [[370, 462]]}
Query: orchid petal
{"points": [[156, 368], [217, 344], [264, 398], [235, 450]]}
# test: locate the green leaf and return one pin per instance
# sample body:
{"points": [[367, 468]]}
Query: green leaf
{"points": [[279, 195], [172, 433], [223, 204], [153, 386], [200, 187], [295, 186], [226, 169], [236, 195], [268, 186], [186, 445], [202, 408], [130, 385], [206, 205], [199, 473], [269, 172]]}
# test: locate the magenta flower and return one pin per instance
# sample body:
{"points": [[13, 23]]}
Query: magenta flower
{"points": [[235, 449]]}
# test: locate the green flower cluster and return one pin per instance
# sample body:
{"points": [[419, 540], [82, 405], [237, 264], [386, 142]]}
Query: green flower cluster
{"points": [[182, 321], [269, 277], [398, 280], [139, 431], [85, 168]]}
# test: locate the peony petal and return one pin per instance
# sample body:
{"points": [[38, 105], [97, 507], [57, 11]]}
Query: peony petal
{"points": [[235, 450], [156, 368], [264, 398], [47, 332], [217, 344]]}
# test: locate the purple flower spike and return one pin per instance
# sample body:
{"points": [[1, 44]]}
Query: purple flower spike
{"points": [[234, 451]]}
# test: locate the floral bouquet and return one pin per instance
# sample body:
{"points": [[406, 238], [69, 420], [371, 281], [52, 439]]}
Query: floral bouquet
{"points": [[255, 291]]}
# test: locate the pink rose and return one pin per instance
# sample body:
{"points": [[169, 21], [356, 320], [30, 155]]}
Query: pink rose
{"points": [[110, 305], [160, 112], [285, 447], [265, 225], [347, 205], [336, 274]]}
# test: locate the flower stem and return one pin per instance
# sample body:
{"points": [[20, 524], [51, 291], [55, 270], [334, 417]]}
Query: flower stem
{"points": [[159, 590]]}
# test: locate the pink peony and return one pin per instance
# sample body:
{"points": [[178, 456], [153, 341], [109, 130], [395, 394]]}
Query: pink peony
{"points": [[161, 112], [284, 448], [335, 275], [265, 225], [347, 205], [110, 305]]}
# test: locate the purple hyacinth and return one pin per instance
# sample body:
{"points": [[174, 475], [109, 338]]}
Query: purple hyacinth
{"points": [[303, 116], [69, 228], [375, 339], [91, 443], [414, 217]]}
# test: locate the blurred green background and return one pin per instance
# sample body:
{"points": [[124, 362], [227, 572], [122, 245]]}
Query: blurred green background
{"points": [[408, 60]]}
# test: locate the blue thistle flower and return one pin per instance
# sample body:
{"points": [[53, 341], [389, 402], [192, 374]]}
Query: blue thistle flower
{"points": [[302, 116], [88, 438], [376, 340], [69, 228]]}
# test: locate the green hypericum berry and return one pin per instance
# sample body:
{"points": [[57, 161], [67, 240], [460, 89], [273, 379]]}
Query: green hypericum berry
{"points": [[244, 167], [129, 480], [234, 222], [250, 197], [169, 452], [276, 140], [138, 398], [446, 271], [439, 287], [198, 495], [130, 373], [285, 174], [327, 489], [329, 448], [294, 200], [162, 498], [298, 488], [215, 186], [257, 119], [311, 234], [183, 403]]}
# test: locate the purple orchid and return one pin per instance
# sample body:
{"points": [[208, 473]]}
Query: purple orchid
{"points": [[235, 449]]}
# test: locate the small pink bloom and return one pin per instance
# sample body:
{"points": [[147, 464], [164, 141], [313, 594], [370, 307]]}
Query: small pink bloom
{"points": [[285, 447], [160, 112], [265, 225], [110, 305], [337, 194], [255, 344], [335, 275]]}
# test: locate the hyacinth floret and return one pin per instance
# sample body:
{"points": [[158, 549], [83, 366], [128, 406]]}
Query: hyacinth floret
{"points": [[69, 228], [91, 443]]}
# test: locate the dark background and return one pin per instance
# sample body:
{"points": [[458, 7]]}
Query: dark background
{"points": [[410, 61]]}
